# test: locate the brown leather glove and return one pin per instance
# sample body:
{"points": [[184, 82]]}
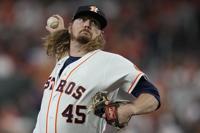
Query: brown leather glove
{"points": [[110, 109]]}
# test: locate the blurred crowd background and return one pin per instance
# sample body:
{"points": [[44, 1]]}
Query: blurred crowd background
{"points": [[162, 37]]}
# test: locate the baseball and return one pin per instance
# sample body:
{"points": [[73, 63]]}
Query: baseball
{"points": [[52, 22]]}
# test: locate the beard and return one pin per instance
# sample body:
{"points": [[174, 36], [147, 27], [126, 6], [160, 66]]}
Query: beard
{"points": [[83, 37]]}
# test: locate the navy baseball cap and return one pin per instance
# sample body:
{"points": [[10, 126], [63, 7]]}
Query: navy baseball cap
{"points": [[92, 11]]}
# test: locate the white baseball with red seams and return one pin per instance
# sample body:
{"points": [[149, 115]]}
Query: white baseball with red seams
{"points": [[52, 22], [66, 98]]}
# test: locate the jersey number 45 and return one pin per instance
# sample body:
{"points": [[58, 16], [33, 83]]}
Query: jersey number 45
{"points": [[79, 116]]}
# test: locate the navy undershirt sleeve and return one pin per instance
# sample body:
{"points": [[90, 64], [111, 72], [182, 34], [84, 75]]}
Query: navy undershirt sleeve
{"points": [[144, 86]]}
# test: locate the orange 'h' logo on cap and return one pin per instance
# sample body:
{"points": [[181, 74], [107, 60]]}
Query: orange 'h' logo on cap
{"points": [[93, 9]]}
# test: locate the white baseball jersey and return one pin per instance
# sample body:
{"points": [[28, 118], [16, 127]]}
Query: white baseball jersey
{"points": [[66, 98]]}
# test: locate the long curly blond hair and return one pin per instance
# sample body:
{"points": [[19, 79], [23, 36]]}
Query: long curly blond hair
{"points": [[57, 44]]}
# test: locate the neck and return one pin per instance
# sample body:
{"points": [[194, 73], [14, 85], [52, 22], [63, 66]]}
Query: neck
{"points": [[76, 50]]}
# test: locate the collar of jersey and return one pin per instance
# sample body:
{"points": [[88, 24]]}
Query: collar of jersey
{"points": [[61, 61]]}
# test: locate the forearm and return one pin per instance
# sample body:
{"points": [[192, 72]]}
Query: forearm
{"points": [[145, 103]]}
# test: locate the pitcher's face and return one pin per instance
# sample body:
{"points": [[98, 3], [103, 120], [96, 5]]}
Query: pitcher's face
{"points": [[85, 29]]}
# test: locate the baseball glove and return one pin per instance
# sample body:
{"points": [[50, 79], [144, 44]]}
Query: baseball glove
{"points": [[110, 110]]}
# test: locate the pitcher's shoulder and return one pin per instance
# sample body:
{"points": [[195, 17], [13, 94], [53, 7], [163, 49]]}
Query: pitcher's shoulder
{"points": [[109, 54], [113, 57]]}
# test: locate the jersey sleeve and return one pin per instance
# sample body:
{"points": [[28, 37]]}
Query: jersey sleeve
{"points": [[131, 80], [123, 74]]}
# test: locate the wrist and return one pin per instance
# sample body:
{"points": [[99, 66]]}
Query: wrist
{"points": [[133, 109]]}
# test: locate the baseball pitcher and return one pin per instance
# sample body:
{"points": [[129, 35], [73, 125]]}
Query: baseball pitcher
{"points": [[79, 95]]}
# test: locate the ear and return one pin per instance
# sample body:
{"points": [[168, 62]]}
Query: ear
{"points": [[100, 32], [70, 28]]}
